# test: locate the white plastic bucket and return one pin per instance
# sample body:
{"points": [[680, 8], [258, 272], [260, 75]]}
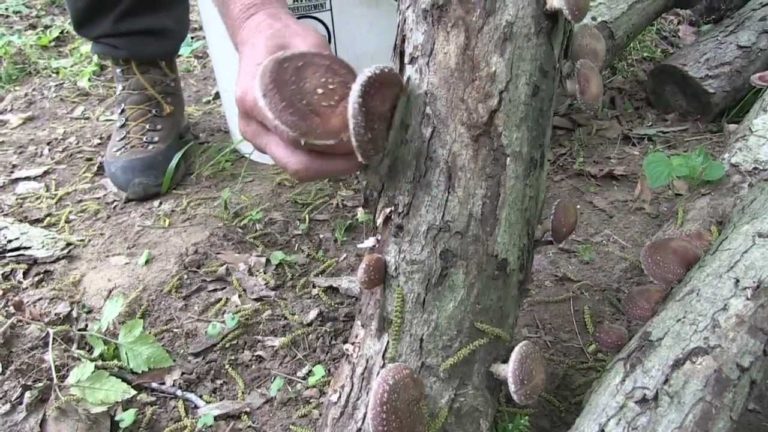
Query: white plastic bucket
{"points": [[362, 32]]}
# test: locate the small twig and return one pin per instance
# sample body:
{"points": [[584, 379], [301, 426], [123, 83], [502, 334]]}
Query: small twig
{"points": [[538, 324], [175, 391], [53, 365], [578, 335], [7, 324]]}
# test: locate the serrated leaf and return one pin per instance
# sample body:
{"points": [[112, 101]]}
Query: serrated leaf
{"points": [[214, 329], [80, 372], [96, 343], [205, 421], [101, 388], [276, 385], [681, 166], [713, 171], [139, 350], [126, 418], [231, 320], [318, 373], [112, 308], [658, 169]]}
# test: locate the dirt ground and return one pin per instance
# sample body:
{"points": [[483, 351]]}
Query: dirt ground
{"points": [[241, 238]]}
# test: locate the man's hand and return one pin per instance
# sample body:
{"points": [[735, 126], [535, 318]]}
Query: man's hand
{"points": [[265, 33]]}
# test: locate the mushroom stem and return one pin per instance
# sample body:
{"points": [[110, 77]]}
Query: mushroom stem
{"points": [[499, 370]]}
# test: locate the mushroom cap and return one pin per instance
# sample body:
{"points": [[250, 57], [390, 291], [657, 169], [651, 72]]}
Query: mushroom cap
{"points": [[565, 216], [667, 260], [588, 43], [611, 337], [589, 83], [574, 10], [372, 270], [641, 303], [304, 94], [526, 373], [759, 79], [372, 102], [396, 401]]}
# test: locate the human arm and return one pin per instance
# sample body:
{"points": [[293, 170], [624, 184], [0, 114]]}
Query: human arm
{"points": [[258, 29]]}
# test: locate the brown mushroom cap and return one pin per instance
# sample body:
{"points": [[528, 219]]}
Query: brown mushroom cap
{"points": [[666, 261], [372, 103], [371, 272], [526, 373], [574, 10], [565, 216], [588, 43], [611, 337], [759, 79], [304, 96], [396, 401], [640, 303]]}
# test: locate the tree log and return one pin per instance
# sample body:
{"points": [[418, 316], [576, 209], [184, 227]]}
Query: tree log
{"points": [[696, 364], [712, 74], [459, 193], [621, 21]]}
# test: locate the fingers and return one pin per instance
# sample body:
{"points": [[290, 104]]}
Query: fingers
{"points": [[302, 165]]}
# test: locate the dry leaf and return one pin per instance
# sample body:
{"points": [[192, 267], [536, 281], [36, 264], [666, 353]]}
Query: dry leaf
{"points": [[15, 120], [643, 193], [616, 171], [680, 187]]}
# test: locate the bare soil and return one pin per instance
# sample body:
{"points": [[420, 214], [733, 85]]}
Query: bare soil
{"points": [[215, 241]]}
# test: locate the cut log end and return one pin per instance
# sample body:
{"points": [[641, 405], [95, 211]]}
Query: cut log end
{"points": [[671, 89]]}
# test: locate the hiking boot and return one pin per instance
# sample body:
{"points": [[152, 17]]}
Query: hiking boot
{"points": [[151, 128]]}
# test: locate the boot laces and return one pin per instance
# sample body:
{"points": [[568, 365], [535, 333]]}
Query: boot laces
{"points": [[134, 127]]}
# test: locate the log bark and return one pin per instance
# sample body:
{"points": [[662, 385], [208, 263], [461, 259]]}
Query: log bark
{"points": [[700, 362], [460, 192], [621, 21], [712, 74]]}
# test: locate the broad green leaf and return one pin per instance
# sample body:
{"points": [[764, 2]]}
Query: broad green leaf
{"points": [[318, 373], [713, 171], [681, 166], [277, 257], [205, 421], [277, 384], [80, 372], [658, 169], [96, 343], [231, 320], [126, 418], [112, 308], [139, 350], [101, 388]]}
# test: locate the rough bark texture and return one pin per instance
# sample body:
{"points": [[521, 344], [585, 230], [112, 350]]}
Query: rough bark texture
{"points": [[621, 21], [712, 74], [700, 364], [464, 180], [748, 151]]}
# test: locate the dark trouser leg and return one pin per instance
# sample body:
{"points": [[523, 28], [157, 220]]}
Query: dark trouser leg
{"points": [[132, 29]]}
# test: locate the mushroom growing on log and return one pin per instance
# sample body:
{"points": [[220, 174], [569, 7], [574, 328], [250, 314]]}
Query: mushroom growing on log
{"points": [[397, 401], [525, 373]]}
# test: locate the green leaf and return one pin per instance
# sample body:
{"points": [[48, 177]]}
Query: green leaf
{"points": [[96, 343], [276, 385], [145, 258], [277, 257], [713, 171], [126, 418], [231, 320], [658, 169], [682, 166], [205, 421], [101, 388], [112, 308], [139, 350], [318, 373], [214, 329], [80, 372]]}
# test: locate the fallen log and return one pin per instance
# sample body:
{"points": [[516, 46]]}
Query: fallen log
{"points": [[711, 11], [712, 74], [697, 363], [457, 196], [621, 21]]}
